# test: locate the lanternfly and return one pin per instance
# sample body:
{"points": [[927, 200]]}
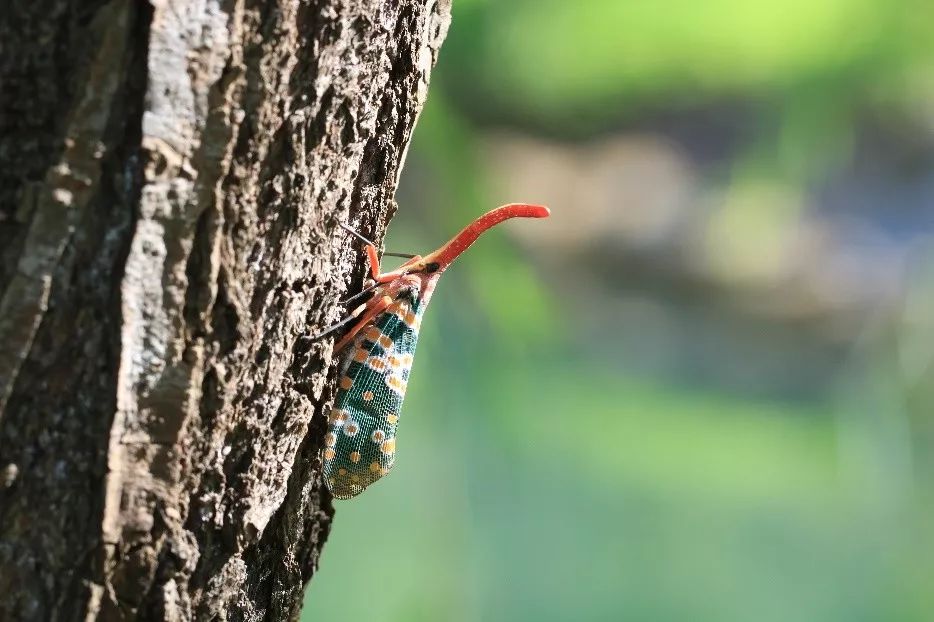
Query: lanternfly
{"points": [[376, 357]]}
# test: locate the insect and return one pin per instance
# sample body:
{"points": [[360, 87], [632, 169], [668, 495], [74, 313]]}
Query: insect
{"points": [[376, 357]]}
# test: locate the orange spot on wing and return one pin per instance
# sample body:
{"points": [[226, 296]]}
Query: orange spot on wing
{"points": [[346, 382], [397, 383]]}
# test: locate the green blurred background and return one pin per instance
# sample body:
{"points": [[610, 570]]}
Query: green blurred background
{"points": [[703, 389]]}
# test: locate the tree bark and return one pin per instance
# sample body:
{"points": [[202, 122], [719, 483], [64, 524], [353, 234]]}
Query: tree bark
{"points": [[171, 177]]}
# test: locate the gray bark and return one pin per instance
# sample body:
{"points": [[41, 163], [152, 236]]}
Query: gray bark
{"points": [[171, 176]]}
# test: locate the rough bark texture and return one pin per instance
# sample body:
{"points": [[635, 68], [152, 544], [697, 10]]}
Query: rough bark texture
{"points": [[171, 176]]}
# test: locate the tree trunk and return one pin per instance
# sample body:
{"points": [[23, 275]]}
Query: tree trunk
{"points": [[171, 177]]}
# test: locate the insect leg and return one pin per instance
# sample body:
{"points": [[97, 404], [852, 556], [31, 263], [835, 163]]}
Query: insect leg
{"points": [[373, 258], [372, 311], [344, 322], [374, 261], [363, 292]]}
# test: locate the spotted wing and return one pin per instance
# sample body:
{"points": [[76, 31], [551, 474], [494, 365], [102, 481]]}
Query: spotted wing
{"points": [[360, 445]]}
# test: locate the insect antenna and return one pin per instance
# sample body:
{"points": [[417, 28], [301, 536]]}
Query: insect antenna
{"points": [[365, 240]]}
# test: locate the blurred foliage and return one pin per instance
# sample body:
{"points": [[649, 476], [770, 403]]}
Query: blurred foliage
{"points": [[578, 64], [538, 477]]}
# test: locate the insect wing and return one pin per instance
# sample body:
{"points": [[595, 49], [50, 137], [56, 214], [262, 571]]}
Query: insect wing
{"points": [[361, 440]]}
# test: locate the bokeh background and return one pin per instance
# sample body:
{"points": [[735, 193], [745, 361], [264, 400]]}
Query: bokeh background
{"points": [[703, 389]]}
